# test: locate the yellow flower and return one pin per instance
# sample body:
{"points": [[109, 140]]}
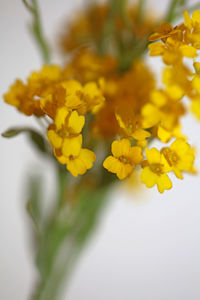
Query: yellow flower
{"points": [[64, 134], [131, 125], [124, 158], [155, 169], [78, 163], [179, 76], [172, 50], [41, 84], [46, 74], [180, 156], [194, 22], [92, 96], [164, 31], [22, 97]]}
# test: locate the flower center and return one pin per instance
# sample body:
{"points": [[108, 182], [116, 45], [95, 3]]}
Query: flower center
{"points": [[157, 168], [64, 133], [72, 157], [124, 160], [171, 156]]}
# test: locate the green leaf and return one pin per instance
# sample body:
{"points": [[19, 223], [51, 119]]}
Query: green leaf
{"points": [[12, 132], [36, 138], [38, 141]]}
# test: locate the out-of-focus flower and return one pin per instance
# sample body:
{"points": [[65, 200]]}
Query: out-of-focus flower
{"points": [[180, 156]]}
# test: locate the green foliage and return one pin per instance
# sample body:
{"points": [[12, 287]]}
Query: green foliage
{"points": [[36, 29], [35, 137]]}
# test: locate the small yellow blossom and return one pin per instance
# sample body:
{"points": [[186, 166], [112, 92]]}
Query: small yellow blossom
{"points": [[78, 163], [164, 31], [180, 156], [22, 97], [155, 169], [124, 158], [65, 134], [131, 125]]}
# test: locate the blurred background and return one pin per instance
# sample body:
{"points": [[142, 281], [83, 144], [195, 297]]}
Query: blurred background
{"points": [[146, 246]]}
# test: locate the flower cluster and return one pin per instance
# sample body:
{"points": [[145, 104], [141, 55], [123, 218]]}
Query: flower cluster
{"points": [[91, 105]]}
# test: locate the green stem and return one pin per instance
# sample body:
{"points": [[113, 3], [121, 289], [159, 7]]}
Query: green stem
{"points": [[141, 8], [171, 10], [64, 241], [118, 7], [37, 30]]}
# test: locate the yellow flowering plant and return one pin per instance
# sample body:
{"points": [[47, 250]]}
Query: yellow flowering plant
{"points": [[102, 110]]}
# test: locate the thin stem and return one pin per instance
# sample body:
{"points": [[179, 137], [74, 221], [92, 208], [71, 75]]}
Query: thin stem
{"points": [[64, 241], [141, 7], [37, 30], [118, 7], [171, 10]]}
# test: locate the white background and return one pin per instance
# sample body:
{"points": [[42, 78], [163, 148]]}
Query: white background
{"points": [[147, 246]]}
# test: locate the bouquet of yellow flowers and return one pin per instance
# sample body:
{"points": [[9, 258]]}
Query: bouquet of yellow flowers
{"points": [[100, 112]]}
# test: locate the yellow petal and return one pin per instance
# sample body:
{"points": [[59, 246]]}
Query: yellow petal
{"points": [[121, 148], [76, 167], [76, 122], [91, 89], [156, 49], [60, 118], [175, 92], [88, 157], [120, 121], [196, 83], [72, 87], [164, 183], [180, 146], [72, 146], [141, 134], [124, 171], [54, 138], [62, 159], [196, 17], [112, 164], [151, 115], [187, 20], [135, 155], [158, 98], [163, 134], [73, 101], [148, 177], [153, 155], [165, 166], [188, 51], [195, 108], [178, 173]]}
